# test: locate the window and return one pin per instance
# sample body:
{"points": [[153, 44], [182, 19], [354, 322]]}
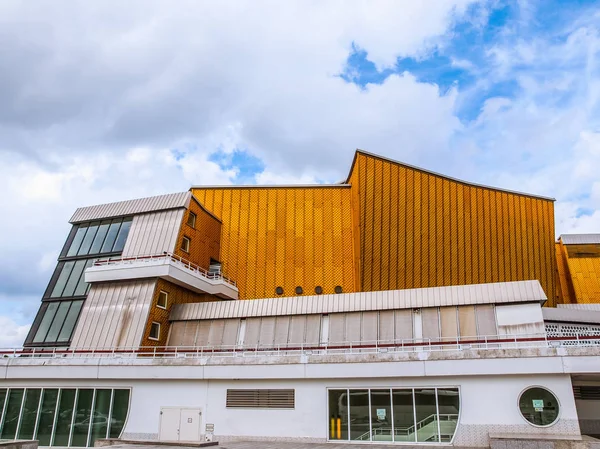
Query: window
{"points": [[106, 236], [185, 244], [263, 398], [191, 219], [55, 323], [162, 300], [154, 331], [539, 406], [56, 417]]}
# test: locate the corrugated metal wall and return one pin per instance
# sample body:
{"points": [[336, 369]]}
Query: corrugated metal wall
{"points": [[578, 269], [132, 207], [153, 233], [284, 237], [114, 315], [423, 230]]}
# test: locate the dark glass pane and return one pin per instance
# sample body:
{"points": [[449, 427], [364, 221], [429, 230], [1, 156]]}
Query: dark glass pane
{"points": [[65, 272], [359, 415], [381, 415], [74, 278], [427, 425], [338, 414], [122, 237], [100, 416], [46, 420], [77, 240], [11, 416], [59, 319], [404, 417], [111, 236], [448, 406], [539, 406], [65, 415], [67, 330], [120, 408], [2, 398], [88, 239], [29, 413], [40, 335], [82, 286], [99, 239], [83, 414]]}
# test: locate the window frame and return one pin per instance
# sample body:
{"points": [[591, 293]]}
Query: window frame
{"points": [[150, 337], [193, 217], [186, 248], [166, 300], [558, 404]]}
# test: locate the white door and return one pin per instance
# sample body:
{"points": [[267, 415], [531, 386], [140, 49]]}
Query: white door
{"points": [[189, 427], [169, 424]]}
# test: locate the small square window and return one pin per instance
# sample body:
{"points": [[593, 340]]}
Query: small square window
{"points": [[155, 331], [185, 244], [163, 298], [191, 219]]}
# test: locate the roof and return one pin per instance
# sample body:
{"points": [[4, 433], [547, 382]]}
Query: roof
{"points": [[460, 181], [132, 207], [580, 239], [496, 293], [571, 315]]}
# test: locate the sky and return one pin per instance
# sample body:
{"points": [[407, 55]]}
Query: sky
{"points": [[104, 101]]}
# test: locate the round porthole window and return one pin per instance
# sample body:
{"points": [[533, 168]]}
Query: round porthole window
{"points": [[318, 289], [279, 290], [338, 289], [299, 290], [539, 406]]}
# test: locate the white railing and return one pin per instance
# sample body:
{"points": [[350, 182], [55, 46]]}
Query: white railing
{"points": [[408, 431], [168, 258], [521, 341]]}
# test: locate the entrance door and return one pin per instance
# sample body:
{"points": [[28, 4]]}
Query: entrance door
{"points": [[179, 424]]}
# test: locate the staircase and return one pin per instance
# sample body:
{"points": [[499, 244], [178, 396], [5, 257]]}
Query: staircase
{"points": [[426, 431]]}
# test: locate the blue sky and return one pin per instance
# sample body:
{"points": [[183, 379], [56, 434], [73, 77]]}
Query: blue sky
{"points": [[105, 101]]}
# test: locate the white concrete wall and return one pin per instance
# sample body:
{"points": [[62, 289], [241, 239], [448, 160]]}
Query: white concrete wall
{"points": [[488, 404]]}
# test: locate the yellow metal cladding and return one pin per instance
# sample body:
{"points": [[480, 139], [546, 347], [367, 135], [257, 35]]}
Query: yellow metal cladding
{"points": [[284, 236], [419, 229], [578, 269]]}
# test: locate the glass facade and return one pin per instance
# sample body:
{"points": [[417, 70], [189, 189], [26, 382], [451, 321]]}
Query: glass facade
{"points": [[66, 417], [539, 406], [402, 415], [98, 237], [57, 321]]}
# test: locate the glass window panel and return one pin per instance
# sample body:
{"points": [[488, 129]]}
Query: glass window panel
{"points": [[74, 278], [29, 413], [76, 243], [2, 398], [122, 237], [59, 319], [63, 277], [338, 414], [65, 415], [404, 415], [88, 239], [46, 420], [539, 406], [120, 408], [11, 416], [100, 415], [448, 407], [111, 236], [82, 286], [427, 426], [67, 330], [381, 415], [83, 414], [40, 335], [100, 236], [359, 415]]}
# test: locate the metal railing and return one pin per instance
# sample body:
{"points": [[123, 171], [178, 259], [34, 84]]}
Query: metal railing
{"points": [[520, 341], [408, 431], [166, 257]]}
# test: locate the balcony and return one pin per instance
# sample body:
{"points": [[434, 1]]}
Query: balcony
{"points": [[166, 266]]}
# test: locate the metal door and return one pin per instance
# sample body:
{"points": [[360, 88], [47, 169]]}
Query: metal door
{"points": [[169, 424], [189, 427]]}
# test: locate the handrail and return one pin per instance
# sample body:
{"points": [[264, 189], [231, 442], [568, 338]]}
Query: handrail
{"points": [[407, 431], [180, 261], [390, 346]]}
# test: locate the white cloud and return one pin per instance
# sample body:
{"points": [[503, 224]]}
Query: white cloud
{"points": [[13, 334]]}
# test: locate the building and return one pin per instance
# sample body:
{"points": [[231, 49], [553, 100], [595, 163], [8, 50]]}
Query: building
{"points": [[400, 306], [578, 267]]}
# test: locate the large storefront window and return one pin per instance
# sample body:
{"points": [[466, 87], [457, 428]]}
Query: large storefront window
{"points": [[66, 417], [407, 415]]}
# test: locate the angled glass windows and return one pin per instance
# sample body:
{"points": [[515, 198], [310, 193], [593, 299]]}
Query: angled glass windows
{"points": [[55, 322], [98, 237]]}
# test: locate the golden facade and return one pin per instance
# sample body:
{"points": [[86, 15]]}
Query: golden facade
{"points": [[578, 269], [391, 226]]}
